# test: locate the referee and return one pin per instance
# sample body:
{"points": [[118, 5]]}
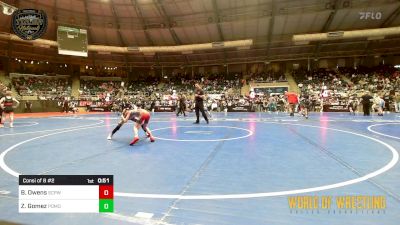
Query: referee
{"points": [[199, 99], [366, 102]]}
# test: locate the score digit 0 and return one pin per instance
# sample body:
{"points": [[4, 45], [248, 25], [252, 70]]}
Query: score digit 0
{"points": [[106, 192]]}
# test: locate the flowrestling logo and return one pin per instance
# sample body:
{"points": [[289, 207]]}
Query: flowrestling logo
{"points": [[370, 15], [29, 24]]}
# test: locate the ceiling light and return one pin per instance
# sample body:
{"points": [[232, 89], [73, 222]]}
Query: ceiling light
{"points": [[7, 9], [371, 34]]}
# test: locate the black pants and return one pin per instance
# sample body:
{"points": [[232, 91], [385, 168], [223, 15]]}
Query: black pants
{"points": [[65, 109], [182, 109], [200, 107], [366, 109]]}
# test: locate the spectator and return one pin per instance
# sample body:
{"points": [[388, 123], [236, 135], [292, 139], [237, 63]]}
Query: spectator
{"points": [[28, 106], [397, 102]]}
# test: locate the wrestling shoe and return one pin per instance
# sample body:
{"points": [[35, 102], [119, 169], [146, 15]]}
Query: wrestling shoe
{"points": [[136, 139], [12, 125], [1, 125], [109, 137], [197, 122], [152, 139]]}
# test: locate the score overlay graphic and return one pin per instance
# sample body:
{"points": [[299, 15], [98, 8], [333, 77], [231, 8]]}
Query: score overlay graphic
{"points": [[66, 194]]}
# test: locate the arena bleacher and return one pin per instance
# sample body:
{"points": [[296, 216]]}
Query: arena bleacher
{"points": [[339, 85]]}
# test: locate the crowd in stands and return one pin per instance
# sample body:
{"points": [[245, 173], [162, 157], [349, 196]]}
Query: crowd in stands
{"points": [[382, 79], [323, 86], [343, 85], [222, 93], [211, 86], [100, 89], [103, 72], [162, 94], [319, 80], [268, 76], [44, 87], [159, 93], [4, 88]]}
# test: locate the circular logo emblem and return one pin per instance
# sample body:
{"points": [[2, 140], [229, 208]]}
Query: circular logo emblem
{"points": [[29, 24]]}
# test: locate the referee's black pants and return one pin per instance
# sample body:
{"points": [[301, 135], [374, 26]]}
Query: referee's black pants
{"points": [[200, 108], [366, 109], [65, 108], [182, 109]]}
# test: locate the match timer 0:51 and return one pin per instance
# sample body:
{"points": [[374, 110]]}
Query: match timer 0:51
{"points": [[66, 194]]}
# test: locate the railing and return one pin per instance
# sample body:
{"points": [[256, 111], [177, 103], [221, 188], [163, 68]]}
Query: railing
{"points": [[43, 93], [100, 78], [56, 76]]}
